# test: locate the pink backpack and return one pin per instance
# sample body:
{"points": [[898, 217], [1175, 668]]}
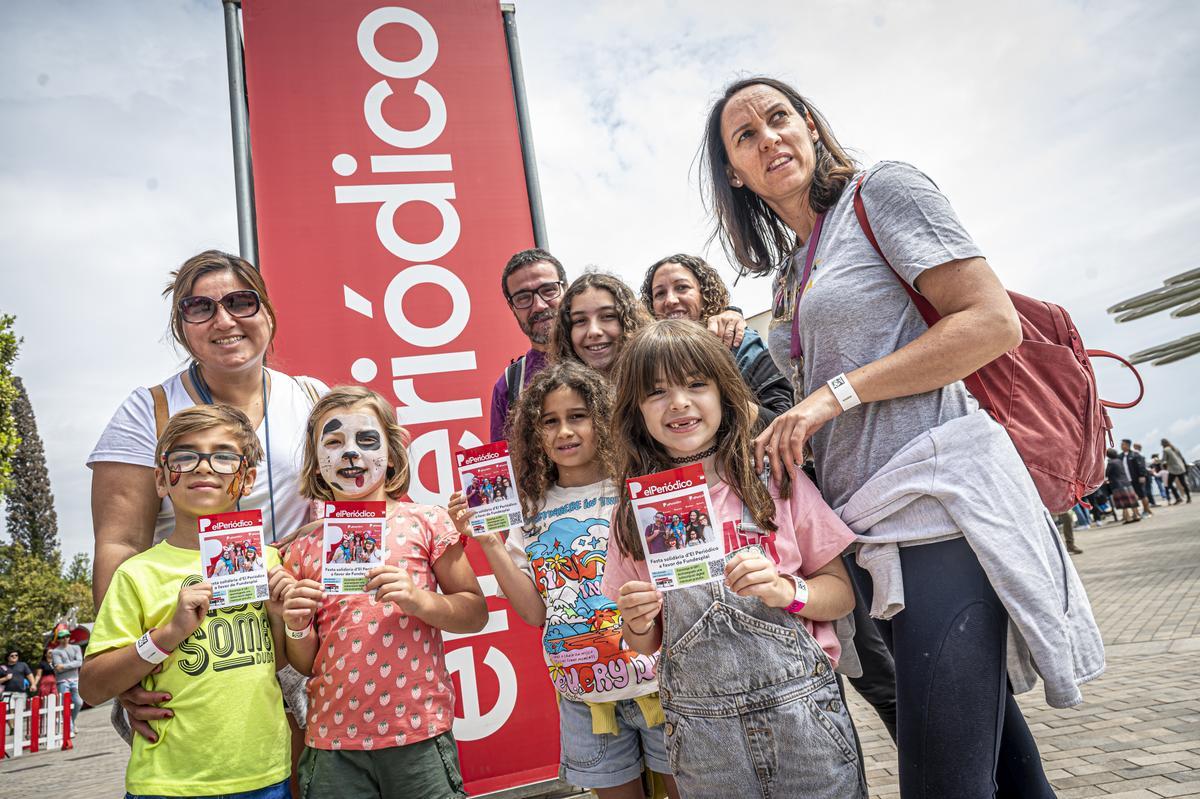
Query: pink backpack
{"points": [[1043, 393]]}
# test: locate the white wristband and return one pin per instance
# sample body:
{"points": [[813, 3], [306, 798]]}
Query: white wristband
{"points": [[149, 651], [296, 635], [843, 392]]}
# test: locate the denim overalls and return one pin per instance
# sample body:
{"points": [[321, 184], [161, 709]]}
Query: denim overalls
{"points": [[751, 705]]}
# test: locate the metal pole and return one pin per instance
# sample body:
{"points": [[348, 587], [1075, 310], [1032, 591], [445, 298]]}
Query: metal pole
{"points": [[532, 185], [243, 178]]}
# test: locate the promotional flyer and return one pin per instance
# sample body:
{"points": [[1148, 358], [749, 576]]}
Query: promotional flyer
{"points": [[354, 544], [232, 557], [491, 491], [674, 513]]}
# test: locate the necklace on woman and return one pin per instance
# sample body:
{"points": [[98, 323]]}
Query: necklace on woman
{"points": [[699, 456]]}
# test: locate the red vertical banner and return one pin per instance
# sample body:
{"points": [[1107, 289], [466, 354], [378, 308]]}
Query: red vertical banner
{"points": [[389, 190]]}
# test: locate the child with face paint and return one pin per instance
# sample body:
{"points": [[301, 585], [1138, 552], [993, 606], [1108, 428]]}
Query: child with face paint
{"points": [[610, 730], [155, 629], [381, 701]]}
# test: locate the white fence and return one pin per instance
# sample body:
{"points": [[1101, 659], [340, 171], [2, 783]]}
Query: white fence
{"points": [[34, 725]]}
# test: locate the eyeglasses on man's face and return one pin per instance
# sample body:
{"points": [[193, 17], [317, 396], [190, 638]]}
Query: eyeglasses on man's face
{"points": [[547, 291]]}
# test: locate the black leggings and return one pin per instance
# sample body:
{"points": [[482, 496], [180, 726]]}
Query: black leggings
{"points": [[1182, 480], [960, 732]]}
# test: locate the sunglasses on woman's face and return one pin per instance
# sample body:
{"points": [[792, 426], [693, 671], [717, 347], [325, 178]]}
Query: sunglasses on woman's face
{"points": [[186, 460], [197, 309]]}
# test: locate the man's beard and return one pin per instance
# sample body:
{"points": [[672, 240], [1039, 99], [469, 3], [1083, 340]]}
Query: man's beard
{"points": [[527, 326]]}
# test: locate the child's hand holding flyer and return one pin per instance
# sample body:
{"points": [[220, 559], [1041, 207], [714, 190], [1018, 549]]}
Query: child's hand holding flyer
{"points": [[674, 515], [232, 557], [354, 544], [491, 492]]}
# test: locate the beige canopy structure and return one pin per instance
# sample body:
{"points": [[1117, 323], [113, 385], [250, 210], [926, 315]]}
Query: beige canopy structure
{"points": [[1181, 292]]}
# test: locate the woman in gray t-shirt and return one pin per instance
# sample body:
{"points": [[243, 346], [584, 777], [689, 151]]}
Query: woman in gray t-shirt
{"points": [[872, 377]]}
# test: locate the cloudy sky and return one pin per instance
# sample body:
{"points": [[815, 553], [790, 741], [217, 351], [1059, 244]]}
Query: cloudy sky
{"points": [[1063, 132]]}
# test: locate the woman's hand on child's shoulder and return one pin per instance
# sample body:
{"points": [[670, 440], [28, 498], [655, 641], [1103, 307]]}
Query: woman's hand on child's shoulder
{"points": [[301, 602], [751, 573], [392, 584]]}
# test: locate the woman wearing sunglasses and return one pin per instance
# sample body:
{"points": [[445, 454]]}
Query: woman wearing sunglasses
{"points": [[221, 315]]}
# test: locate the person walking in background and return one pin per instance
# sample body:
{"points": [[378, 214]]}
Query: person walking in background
{"points": [[1135, 465], [1066, 526], [1176, 470], [1158, 472], [1149, 481], [66, 658], [1120, 488]]}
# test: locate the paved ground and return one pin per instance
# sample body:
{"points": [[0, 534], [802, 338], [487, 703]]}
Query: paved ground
{"points": [[1137, 735]]}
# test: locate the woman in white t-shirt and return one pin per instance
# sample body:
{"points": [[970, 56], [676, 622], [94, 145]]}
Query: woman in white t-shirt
{"points": [[222, 316]]}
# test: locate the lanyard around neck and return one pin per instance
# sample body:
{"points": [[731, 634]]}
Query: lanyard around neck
{"points": [[206, 397], [813, 239]]}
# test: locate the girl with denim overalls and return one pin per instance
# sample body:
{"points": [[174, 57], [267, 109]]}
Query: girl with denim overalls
{"points": [[746, 665]]}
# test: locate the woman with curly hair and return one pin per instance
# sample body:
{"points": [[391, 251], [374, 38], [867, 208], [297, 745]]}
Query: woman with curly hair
{"points": [[687, 287], [562, 448], [595, 318]]}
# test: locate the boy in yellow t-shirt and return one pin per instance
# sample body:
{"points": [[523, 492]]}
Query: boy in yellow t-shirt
{"points": [[226, 733]]}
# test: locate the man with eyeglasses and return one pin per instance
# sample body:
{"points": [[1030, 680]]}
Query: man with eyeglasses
{"points": [[533, 281]]}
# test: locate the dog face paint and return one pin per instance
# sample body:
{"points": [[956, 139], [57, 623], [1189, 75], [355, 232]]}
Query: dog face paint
{"points": [[351, 452]]}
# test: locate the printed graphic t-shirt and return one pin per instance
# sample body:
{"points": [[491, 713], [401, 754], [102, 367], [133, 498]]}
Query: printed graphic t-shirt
{"points": [[228, 733], [379, 678], [563, 552], [809, 535]]}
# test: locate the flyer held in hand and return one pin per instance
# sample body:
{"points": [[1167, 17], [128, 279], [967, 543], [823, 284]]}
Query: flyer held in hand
{"points": [[353, 544], [674, 516], [232, 557], [491, 491]]}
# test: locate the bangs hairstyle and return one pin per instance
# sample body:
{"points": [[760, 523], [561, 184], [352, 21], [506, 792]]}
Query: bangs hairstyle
{"points": [[676, 351], [312, 484], [199, 418], [183, 282], [630, 313], [535, 472], [714, 295], [752, 235]]}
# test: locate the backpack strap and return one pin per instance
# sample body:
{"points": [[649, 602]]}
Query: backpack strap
{"points": [[161, 414], [928, 312], [514, 379], [1128, 365], [309, 389], [924, 306]]}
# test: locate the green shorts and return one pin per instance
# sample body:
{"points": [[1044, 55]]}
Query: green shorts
{"points": [[424, 770]]}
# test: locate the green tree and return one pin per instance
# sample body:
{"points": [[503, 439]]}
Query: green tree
{"points": [[79, 570], [9, 438], [77, 587], [32, 522], [32, 598]]}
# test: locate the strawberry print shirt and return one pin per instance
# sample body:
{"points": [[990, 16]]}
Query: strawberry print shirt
{"points": [[379, 677]]}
